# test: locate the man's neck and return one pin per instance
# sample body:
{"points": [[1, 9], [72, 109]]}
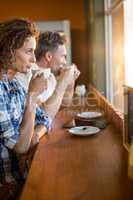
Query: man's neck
{"points": [[42, 64]]}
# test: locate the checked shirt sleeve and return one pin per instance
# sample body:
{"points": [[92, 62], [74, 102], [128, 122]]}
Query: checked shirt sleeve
{"points": [[42, 118]]}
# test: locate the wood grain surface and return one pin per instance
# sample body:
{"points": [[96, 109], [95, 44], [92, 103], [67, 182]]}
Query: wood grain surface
{"points": [[67, 167]]}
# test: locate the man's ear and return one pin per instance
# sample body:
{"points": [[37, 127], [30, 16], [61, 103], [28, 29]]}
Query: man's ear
{"points": [[48, 56]]}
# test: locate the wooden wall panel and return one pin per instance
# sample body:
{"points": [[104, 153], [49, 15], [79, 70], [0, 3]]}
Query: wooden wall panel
{"points": [[45, 10], [41, 10]]}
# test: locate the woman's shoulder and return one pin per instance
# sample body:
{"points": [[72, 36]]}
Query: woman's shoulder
{"points": [[23, 79], [1, 86], [20, 87]]}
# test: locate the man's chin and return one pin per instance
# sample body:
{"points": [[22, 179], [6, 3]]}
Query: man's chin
{"points": [[57, 72]]}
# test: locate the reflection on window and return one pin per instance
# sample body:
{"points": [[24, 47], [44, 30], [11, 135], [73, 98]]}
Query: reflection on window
{"points": [[114, 23]]}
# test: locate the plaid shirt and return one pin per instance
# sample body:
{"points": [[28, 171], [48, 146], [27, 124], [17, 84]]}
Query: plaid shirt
{"points": [[12, 105]]}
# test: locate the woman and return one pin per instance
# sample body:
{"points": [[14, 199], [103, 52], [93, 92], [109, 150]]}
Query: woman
{"points": [[22, 122]]}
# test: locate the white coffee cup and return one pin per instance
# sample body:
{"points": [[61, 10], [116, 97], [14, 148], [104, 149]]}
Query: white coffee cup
{"points": [[45, 72]]}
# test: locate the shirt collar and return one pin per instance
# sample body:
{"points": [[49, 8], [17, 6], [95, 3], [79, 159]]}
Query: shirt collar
{"points": [[12, 86]]}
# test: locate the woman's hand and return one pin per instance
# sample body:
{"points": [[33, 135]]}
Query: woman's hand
{"points": [[38, 84]]}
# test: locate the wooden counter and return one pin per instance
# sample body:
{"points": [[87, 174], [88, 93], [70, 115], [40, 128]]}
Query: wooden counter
{"points": [[67, 167]]}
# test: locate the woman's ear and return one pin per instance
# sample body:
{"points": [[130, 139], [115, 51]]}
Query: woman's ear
{"points": [[48, 56]]}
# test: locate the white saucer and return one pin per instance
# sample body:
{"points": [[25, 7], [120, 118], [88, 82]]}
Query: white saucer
{"points": [[89, 115], [84, 130]]}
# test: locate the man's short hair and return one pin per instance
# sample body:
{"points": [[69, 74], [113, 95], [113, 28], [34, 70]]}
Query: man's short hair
{"points": [[48, 41]]}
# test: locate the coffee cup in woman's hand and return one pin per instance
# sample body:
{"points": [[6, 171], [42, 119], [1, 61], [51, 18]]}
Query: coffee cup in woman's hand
{"points": [[46, 72]]}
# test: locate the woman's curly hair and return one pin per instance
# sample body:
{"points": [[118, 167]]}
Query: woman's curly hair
{"points": [[12, 36]]}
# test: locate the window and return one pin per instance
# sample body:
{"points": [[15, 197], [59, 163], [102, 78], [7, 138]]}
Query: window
{"points": [[115, 72]]}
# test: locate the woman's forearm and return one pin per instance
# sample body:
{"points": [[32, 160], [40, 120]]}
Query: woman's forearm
{"points": [[27, 126]]}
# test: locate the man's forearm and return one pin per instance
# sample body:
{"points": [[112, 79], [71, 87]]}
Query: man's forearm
{"points": [[68, 96], [53, 104], [39, 131]]}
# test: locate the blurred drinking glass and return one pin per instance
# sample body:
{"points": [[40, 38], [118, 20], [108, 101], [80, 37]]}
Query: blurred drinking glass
{"points": [[80, 91]]}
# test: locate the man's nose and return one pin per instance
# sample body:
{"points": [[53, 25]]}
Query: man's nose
{"points": [[65, 62]]}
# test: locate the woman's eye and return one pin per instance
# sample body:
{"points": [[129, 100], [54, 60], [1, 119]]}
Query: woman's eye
{"points": [[29, 51]]}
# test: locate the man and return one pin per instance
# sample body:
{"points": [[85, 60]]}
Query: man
{"points": [[51, 53]]}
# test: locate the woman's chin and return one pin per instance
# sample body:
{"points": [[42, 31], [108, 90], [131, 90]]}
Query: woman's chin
{"points": [[25, 71]]}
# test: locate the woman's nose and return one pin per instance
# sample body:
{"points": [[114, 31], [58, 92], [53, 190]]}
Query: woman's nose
{"points": [[33, 59]]}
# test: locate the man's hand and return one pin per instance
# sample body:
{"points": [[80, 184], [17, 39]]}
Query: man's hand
{"points": [[70, 73], [66, 74], [68, 95], [76, 71]]}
